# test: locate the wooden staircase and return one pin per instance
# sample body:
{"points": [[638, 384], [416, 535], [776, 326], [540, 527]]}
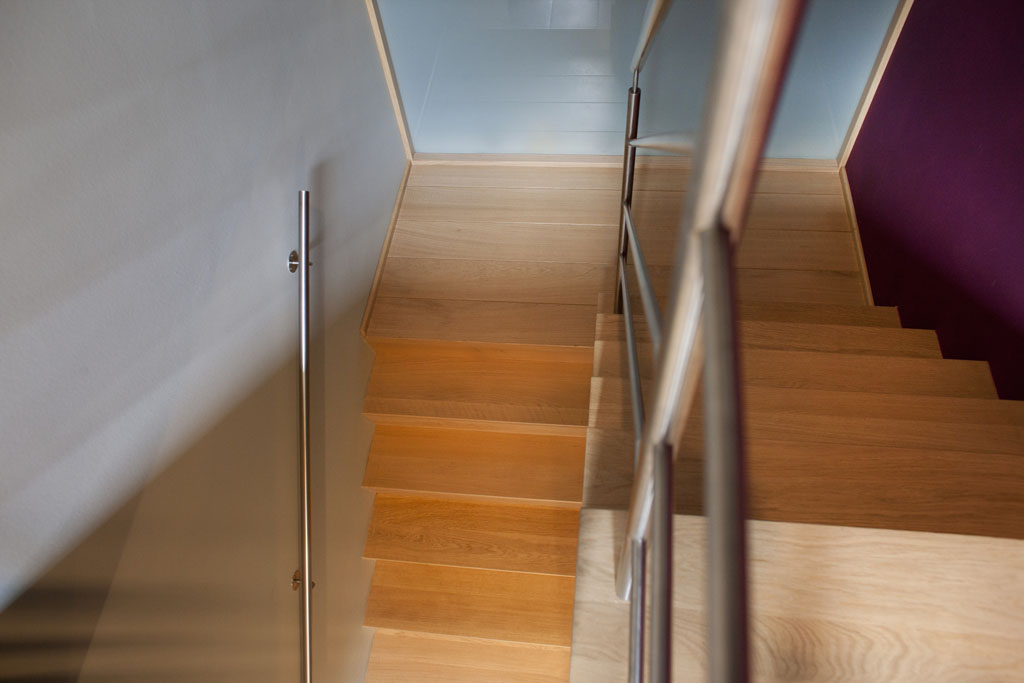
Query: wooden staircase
{"points": [[501, 406]]}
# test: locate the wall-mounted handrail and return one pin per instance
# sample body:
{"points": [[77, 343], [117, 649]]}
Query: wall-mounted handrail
{"points": [[654, 14], [299, 260], [753, 51]]}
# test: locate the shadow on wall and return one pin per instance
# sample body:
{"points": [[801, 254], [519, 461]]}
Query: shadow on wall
{"points": [[190, 579]]}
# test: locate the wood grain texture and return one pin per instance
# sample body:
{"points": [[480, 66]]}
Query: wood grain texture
{"points": [[473, 533], [832, 371], [827, 604], [819, 314], [596, 173], [535, 242], [609, 400], [789, 212], [513, 281], [511, 205], [483, 321], [799, 286], [480, 603], [495, 383], [778, 249], [880, 341], [401, 657], [453, 461], [842, 483]]}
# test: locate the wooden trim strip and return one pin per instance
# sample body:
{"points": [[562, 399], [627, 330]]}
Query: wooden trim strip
{"points": [[385, 248], [600, 160], [389, 76], [899, 18], [855, 228]]}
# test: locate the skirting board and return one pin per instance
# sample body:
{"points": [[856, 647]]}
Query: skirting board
{"points": [[368, 310], [855, 228]]}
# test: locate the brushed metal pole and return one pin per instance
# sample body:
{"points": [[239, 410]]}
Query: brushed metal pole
{"points": [[302, 575]]}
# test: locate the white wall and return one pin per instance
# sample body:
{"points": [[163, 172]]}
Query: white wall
{"points": [[150, 155], [550, 76]]}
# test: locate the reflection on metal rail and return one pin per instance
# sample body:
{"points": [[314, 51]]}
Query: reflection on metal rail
{"points": [[753, 50]]}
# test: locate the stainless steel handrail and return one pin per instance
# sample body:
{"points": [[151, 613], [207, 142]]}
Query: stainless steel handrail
{"points": [[654, 14], [753, 50], [299, 260]]}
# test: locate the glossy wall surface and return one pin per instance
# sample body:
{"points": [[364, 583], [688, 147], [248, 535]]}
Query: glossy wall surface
{"points": [[150, 158], [550, 76], [936, 177]]}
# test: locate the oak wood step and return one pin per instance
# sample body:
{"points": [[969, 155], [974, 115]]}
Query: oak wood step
{"points": [[612, 410], [473, 533], [654, 209], [827, 604], [483, 321], [881, 341], [499, 383], [834, 371], [917, 489], [401, 657], [764, 285], [610, 405], [479, 603], [454, 461]]}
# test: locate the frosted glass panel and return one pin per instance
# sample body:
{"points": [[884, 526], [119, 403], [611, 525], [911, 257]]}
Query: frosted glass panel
{"points": [[550, 76]]}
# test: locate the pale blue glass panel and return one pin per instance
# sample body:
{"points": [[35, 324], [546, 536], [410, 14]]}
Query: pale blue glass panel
{"points": [[550, 76]]}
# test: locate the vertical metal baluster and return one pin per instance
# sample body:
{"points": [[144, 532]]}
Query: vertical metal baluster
{"points": [[628, 168], [724, 485], [660, 647], [636, 613]]}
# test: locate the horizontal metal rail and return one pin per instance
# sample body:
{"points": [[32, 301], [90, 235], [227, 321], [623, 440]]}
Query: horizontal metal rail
{"points": [[643, 277], [674, 143]]}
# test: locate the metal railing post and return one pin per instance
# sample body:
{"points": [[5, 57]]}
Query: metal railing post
{"points": [[724, 477]]}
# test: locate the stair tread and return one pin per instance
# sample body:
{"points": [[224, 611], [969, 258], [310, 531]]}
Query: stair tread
{"points": [[454, 461], [830, 314], [399, 657], [480, 603], [472, 533], [787, 336], [483, 321], [918, 489], [545, 385], [842, 603], [835, 371]]}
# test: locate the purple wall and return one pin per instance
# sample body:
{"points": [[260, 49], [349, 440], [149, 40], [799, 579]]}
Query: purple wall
{"points": [[937, 177]]}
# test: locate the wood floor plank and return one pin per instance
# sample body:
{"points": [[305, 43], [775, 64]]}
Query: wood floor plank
{"points": [[542, 385], [827, 604], [556, 283], [881, 341], [800, 286], [456, 461], [483, 321], [511, 205], [535, 242], [486, 534], [480, 603], [401, 657]]}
